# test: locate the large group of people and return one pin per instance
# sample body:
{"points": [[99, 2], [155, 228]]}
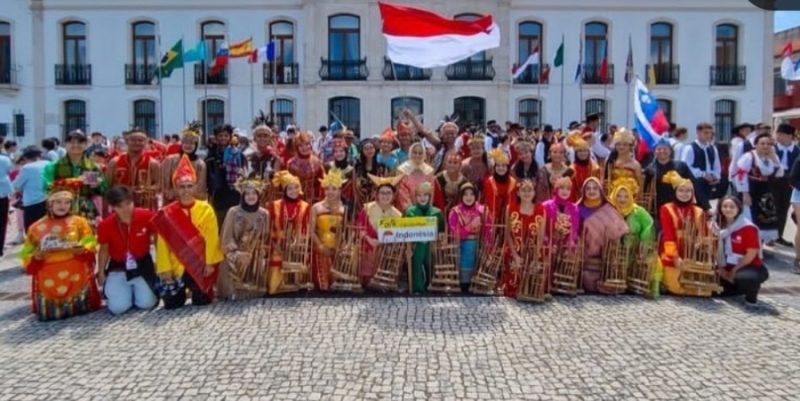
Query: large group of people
{"points": [[294, 210]]}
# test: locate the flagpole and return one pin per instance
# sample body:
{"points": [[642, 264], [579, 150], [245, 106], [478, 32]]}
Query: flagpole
{"points": [[629, 76], [205, 99], [274, 106], [252, 95], [563, 67], [183, 81], [160, 93]]}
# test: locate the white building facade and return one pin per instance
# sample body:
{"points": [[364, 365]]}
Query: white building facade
{"points": [[89, 64]]}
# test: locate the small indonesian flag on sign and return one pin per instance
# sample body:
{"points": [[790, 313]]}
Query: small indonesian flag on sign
{"points": [[423, 39]]}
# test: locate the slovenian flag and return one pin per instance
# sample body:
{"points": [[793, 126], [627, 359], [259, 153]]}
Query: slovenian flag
{"points": [[650, 121], [789, 69], [424, 39]]}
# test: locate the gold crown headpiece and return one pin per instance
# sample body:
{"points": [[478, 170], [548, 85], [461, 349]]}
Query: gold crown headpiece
{"points": [[334, 178]]}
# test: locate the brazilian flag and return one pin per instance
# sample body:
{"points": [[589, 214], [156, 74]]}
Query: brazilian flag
{"points": [[172, 59]]}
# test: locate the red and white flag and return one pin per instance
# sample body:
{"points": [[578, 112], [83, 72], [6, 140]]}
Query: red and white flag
{"points": [[533, 59], [424, 39]]}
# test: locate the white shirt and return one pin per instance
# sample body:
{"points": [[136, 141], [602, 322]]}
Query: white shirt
{"points": [[688, 158], [599, 150], [785, 158], [745, 164]]}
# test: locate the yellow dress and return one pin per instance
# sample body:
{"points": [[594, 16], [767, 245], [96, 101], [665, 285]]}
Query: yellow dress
{"points": [[329, 225], [203, 217]]}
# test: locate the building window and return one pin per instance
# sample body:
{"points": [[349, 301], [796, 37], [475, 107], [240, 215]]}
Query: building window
{"points": [[74, 43], [399, 103], [530, 112], [141, 71], [666, 108], [5, 53], [347, 110], [595, 50], [727, 45], [480, 56], [144, 116], [214, 114], [282, 33], [74, 115], [344, 32], [661, 43], [283, 112], [530, 39], [471, 111], [724, 119], [597, 106], [213, 32]]}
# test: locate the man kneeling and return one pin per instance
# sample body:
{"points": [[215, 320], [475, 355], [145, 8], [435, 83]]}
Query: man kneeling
{"points": [[187, 248], [126, 268]]}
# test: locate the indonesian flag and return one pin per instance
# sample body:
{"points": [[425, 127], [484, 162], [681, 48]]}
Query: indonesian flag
{"points": [[517, 70], [423, 39]]}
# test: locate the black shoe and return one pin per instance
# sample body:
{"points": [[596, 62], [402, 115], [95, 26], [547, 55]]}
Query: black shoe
{"points": [[784, 242]]}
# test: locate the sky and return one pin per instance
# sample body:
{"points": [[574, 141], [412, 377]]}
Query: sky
{"points": [[786, 19]]}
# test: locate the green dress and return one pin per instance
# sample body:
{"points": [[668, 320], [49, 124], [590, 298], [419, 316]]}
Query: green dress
{"points": [[62, 168], [421, 264], [641, 228]]}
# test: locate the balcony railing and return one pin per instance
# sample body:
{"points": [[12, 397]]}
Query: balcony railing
{"points": [[728, 75], [202, 75], [591, 74], [402, 72], [533, 75], [8, 75], [666, 74], [73, 74], [285, 74], [140, 74], [343, 70], [470, 70]]}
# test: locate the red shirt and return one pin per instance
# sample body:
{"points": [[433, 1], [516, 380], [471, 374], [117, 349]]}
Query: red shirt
{"points": [[120, 239], [746, 238]]}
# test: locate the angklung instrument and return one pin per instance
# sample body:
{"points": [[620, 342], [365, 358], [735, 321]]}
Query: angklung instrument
{"points": [[294, 259], [698, 274], [536, 268], [345, 265], [391, 258], [445, 265], [616, 254], [490, 261], [144, 193], [568, 259], [252, 275], [642, 266]]}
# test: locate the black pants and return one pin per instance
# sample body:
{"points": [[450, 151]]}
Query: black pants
{"points": [[702, 193], [782, 193], [747, 282], [3, 222], [222, 201], [32, 213], [176, 301]]}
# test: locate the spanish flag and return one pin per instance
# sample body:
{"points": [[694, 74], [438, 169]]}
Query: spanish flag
{"points": [[241, 49]]}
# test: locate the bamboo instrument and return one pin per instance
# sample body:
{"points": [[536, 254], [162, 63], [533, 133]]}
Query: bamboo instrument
{"points": [[537, 263], [647, 196], [445, 265], [345, 266], [699, 254], [294, 258], [567, 268], [616, 254], [252, 276], [642, 267], [391, 258], [490, 262]]}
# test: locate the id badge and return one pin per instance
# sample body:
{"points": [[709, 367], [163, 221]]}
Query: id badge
{"points": [[130, 262], [733, 259]]}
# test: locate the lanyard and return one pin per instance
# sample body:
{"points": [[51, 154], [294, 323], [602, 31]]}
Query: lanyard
{"points": [[125, 237]]}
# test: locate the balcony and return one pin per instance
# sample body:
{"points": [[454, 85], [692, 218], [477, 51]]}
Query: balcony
{"points": [[470, 70], [402, 72], [728, 75], [533, 75], [285, 74], [666, 74], [140, 74], [73, 74], [343, 70], [8, 75], [591, 74], [201, 75]]}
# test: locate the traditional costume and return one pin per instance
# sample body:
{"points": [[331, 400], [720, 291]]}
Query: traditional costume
{"points": [[289, 221], [755, 175], [466, 223], [498, 189], [664, 174], [521, 225], [363, 187], [368, 219], [421, 263], [561, 215], [87, 176], [475, 167], [140, 173], [187, 247], [414, 175], [170, 164], [308, 168], [328, 221], [600, 223], [245, 238], [554, 170], [674, 216], [583, 167], [59, 255], [616, 169], [348, 172], [640, 223]]}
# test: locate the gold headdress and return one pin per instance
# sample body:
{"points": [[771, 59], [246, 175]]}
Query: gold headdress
{"points": [[629, 185], [424, 188], [680, 182], [391, 181], [193, 130], [477, 138], [244, 184], [525, 183], [671, 177], [334, 178], [622, 135], [499, 156], [576, 142], [284, 178], [184, 172]]}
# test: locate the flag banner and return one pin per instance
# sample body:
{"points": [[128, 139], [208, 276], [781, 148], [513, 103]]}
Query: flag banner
{"points": [[790, 70], [172, 59], [241, 49], [270, 52], [651, 75], [544, 76], [260, 54], [579, 71], [559, 60], [518, 70], [424, 39], [650, 121], [604, 70], [195, 54], [220, 60], [629, 62]]}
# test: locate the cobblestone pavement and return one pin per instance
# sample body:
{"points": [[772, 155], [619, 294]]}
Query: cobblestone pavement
{"points": [[586, 348]]}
